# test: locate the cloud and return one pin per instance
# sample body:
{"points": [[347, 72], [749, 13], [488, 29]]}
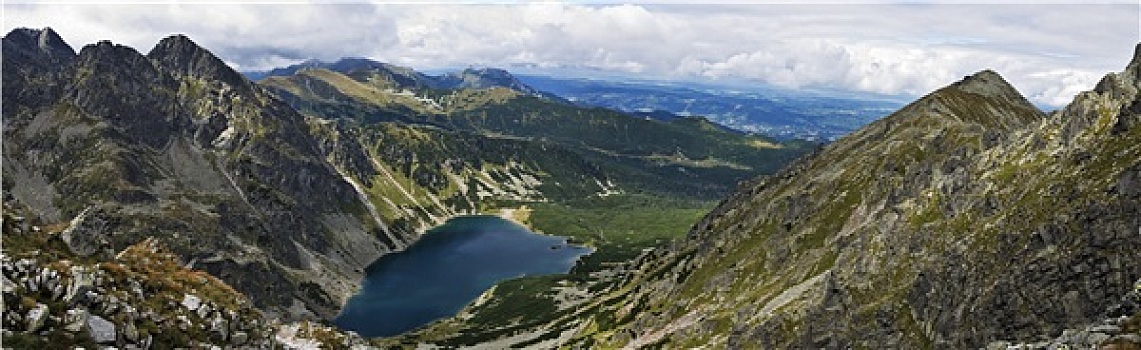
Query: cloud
{"points": [[1048, 51]]}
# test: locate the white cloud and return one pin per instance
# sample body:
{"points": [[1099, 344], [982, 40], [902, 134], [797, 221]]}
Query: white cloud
{"points": [[1048, 51]]}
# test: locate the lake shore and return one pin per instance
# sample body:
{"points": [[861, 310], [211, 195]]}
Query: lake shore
{"points": [[520, 216]]}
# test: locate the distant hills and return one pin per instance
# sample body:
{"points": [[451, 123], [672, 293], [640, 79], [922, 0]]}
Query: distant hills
{"points": [[689, 156], [779, 113], [783, 114], [407, 78]]}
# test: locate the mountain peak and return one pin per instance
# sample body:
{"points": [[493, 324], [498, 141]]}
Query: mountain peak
{"points": [[988, 83], [1136, 61], [983, 98], [1134, 66], [105, 55], [487, 77], [38, 44], [179, 54], [50, 42]]}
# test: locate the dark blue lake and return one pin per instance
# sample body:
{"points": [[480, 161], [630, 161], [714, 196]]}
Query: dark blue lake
{"points": [[449, 267]]}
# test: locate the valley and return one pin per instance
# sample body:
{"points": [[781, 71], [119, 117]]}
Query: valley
{"points": [[295, 190], [165, 200]]}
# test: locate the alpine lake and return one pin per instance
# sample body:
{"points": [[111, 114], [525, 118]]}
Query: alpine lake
{"points": [[448, 268]]}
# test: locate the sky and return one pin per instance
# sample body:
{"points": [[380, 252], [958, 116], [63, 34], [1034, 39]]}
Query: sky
{"points": [[1048, 50]]}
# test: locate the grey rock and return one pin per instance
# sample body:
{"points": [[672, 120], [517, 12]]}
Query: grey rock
{"points": [[101, 330], [12, 318], [75, 319], [997, 345], [130, 332], [1068, 335], [204, 310], [219, 328], [81, 281], [137, 289], [191, 302], [1097, 338], [57, 291], [6, 285], [36, 317], [112, 305], [1106, 328], [31, 285], [129, 312], [239, 338]]}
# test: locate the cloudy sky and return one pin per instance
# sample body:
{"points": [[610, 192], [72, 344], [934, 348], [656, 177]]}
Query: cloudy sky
{"points": [[1048, 50]]}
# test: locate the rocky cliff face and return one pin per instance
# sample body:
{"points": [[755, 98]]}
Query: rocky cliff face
{"points": [[178, 146], [964, 218]]}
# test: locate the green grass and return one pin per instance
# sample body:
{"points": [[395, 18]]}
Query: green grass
{"points": [[620, 226]]}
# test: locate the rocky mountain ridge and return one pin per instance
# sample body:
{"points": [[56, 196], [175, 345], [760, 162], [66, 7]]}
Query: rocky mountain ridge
{"points": [[404, 78], [178, 143], [687, 157], [964, 218]]}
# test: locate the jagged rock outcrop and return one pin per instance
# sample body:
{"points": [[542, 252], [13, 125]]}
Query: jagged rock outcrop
{"points": [[140, 298], [180, 55], [965, 218]]}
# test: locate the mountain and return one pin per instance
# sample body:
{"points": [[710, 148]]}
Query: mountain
{"points": [[399, 77], [177, 145], [682, 156], [965, 218], [108, 148], [164, 199], [484, 78]]}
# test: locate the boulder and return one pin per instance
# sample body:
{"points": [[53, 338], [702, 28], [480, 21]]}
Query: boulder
{"points": [[81, 281], [191, 302], [7, 286], [36, 317], [101, 330]]}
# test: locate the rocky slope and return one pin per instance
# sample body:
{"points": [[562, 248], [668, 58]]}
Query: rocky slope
{"points": [[176, 145], [142, 297], [965, 218]]}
